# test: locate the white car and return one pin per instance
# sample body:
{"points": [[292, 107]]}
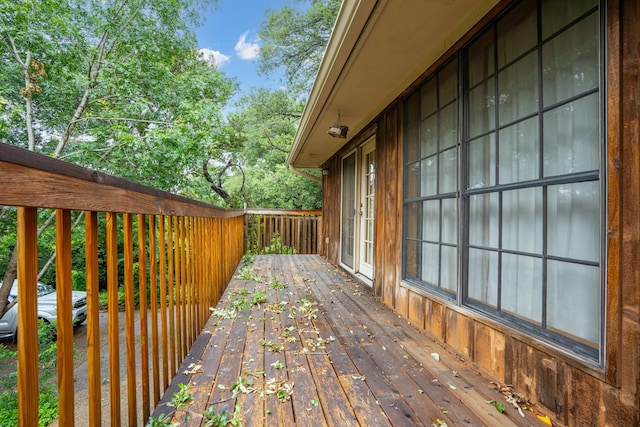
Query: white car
{"points": [[46, 309]]}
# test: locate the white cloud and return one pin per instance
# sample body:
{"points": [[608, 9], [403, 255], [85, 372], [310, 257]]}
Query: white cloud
{"points": [[216, 59], [247, 50]]}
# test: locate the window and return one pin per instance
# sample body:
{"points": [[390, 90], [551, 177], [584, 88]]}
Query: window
{"points": [[431, 182], [502, 183]]}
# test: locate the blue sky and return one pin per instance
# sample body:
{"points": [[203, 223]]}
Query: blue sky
{"points": [[229, 35]]}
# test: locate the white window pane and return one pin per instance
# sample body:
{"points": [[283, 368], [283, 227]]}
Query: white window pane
{"points": [[518, 152], [481, 58], [556, 14], [429, 176], [517, 32], [483, 276], [482, 162], [449, 126], [573, 300], [484, 220], [430, 263], [449, 273], [448, 171], [449, 221], [429, 98], [522, 286], [448, 79], [412, 180], [572, 137], [522, 220], [518, 89], [431, 220], [570, 62], [429, 136], [482, 108], [573, 212]]}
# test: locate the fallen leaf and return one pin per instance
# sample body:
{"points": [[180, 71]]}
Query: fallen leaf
{"points": [[545, 419], [436, 356]]}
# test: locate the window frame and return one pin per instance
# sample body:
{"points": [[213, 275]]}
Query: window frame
{"points": [[463, 194]]}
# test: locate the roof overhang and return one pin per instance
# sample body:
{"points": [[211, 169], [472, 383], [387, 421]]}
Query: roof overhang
{"points": [[377, 49]]}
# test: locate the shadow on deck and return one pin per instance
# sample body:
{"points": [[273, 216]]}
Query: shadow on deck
{"points": [[303, 344]]}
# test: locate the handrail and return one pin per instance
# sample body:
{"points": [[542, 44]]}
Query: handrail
{"points": [[186, 252]]}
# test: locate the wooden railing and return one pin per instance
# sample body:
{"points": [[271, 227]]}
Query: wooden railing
{"points": [[283, 231], [186, 253]]}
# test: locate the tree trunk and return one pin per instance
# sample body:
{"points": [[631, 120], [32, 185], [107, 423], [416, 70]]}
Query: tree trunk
{"points": [[9, 276]]}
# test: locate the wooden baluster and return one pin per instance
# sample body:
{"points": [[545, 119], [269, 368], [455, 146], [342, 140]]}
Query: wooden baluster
{"points": [[171, 251], [142, 311], [129, 318], [93, 318], [64, 321], [28, 382], [163, 303], [153, 286], [113, 328]]}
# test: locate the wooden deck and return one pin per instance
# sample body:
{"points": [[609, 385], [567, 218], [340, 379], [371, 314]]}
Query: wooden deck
{"points": [[324, 351]]}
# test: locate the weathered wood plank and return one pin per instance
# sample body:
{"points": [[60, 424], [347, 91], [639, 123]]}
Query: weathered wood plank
{"points": [[349, 360]]}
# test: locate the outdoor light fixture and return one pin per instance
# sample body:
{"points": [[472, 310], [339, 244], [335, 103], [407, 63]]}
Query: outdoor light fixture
{"points": [[337, 130], [325, 172]]}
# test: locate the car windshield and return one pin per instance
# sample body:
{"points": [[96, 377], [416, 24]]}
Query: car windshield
{"points": [[44, 289]]}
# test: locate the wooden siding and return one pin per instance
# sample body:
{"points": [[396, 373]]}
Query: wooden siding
{"points": [[576, 391]]}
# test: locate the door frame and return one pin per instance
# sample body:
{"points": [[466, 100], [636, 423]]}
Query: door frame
{"points": [[364, 271]]}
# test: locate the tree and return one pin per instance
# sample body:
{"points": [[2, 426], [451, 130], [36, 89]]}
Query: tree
{"points": [[267, 122], [295, 38], [116, 85]]}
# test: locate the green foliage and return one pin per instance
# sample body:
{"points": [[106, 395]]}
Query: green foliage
{"points": [[47, 363], [259, 297], [294, 39], [267, 123], [181, 401], [248, 272], [163, 420], [276, 247], [247, 259], [103, 298], [239, 304], [222, 419], [276, 284], [181, 398], [499, 406]]}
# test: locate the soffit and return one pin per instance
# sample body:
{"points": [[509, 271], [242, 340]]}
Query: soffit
{"points": [[377, 49]]}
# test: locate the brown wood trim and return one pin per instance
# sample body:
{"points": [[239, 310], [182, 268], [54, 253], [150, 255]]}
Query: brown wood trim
{"points": [[299, 212], [613, 324], [34, 180], [584, 365]]}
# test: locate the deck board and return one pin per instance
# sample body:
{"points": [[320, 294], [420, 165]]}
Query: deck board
{"points": [[322, 351]]}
